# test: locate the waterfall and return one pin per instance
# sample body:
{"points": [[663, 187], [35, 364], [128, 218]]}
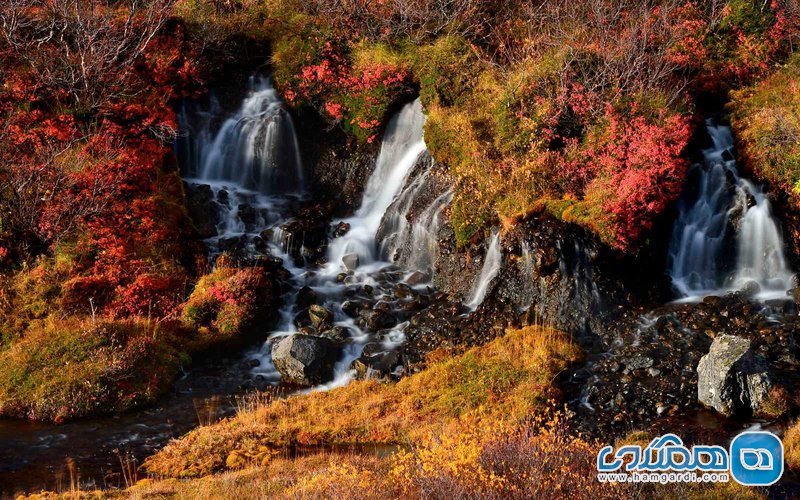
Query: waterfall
{"points": [[401, 148], [256, 148], [708, 222], [490, 268], [409, 230]]}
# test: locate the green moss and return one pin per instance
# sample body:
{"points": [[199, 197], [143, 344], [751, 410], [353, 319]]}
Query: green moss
{"points": [[446, 70], [71, 368]]}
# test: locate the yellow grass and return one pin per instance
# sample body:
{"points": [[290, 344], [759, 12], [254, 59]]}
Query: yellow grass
{"points": [[507, 380]]}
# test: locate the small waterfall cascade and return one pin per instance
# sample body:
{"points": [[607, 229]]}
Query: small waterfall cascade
{"points": [[255, 148], [247, 163], [408, 234], [726, 213], [489, 270], [401, 148]]}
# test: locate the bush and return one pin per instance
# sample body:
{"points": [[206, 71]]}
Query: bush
{"points": [[229, 302], [766, 120]]}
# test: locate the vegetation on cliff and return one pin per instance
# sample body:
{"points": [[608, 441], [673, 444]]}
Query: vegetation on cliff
{"points": [[97, 254], [766, 120], [582, 109]]}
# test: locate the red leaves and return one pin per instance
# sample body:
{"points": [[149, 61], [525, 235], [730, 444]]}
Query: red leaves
{"points": [[638, 169], [354, 96], [102, 182]]}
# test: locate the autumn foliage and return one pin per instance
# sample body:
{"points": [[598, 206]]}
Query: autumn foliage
{"points": [[87, 172]]}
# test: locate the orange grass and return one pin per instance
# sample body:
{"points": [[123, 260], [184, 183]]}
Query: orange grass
{"points": [[508, 380]]}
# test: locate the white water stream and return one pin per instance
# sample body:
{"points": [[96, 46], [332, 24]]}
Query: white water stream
{"points": [[707, 223]]}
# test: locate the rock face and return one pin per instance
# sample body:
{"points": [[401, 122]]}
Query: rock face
{"points": [[732, 378], [202, 208], [305, 359]]}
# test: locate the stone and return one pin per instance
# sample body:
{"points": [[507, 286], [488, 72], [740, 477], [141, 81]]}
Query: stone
{"points": [[376, 320], [202, 209], [417, 278], [338, 334], [319, 316], [305, 359], [351, 308], [750, 289], [375, 363], [341, 229], [732, 378], [402, 291], [248, 214], [306, 297], [638, 362], [350, 261]]}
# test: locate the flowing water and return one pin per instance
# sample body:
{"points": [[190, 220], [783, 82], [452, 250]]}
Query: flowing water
{"points": [[489, 270], [726, 215], [247, 168]]}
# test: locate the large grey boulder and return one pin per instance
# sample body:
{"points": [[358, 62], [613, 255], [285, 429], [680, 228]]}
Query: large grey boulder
{"points": [[732, 378], [305, 359]]}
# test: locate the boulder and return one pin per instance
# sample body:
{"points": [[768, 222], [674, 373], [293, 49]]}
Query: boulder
{"points": [[202, 209], [350, 261], [351, 308], [417, 278], [305, 359], [337, 333], [320, 317], [375, 363], [732, 378], [376, 320], [248, 214], [306, 297]]}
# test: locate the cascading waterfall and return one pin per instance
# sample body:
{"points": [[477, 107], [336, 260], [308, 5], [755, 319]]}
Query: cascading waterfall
{"points": [[705, 225], [412, 240], [401, 148], [489, 270], [256, 148]]}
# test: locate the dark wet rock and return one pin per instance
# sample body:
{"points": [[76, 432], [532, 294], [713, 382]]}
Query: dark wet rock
{"points": [[638, 362], [337, 333], [202, 209], [376, 320], [305, 236], [732, 378], [341, 277], [320, 317], [340, 172], [249, 215], [402, 291], [376, 363], [267, 234], [306, 296], [260, 245], [305, 359], [223, 197], [350, 261], [252, 363], [750, 289], [351, 308], [232, 244], [417, 278], [341, 229]]}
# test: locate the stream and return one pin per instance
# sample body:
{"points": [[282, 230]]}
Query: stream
{"points": [[248, 165]]}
